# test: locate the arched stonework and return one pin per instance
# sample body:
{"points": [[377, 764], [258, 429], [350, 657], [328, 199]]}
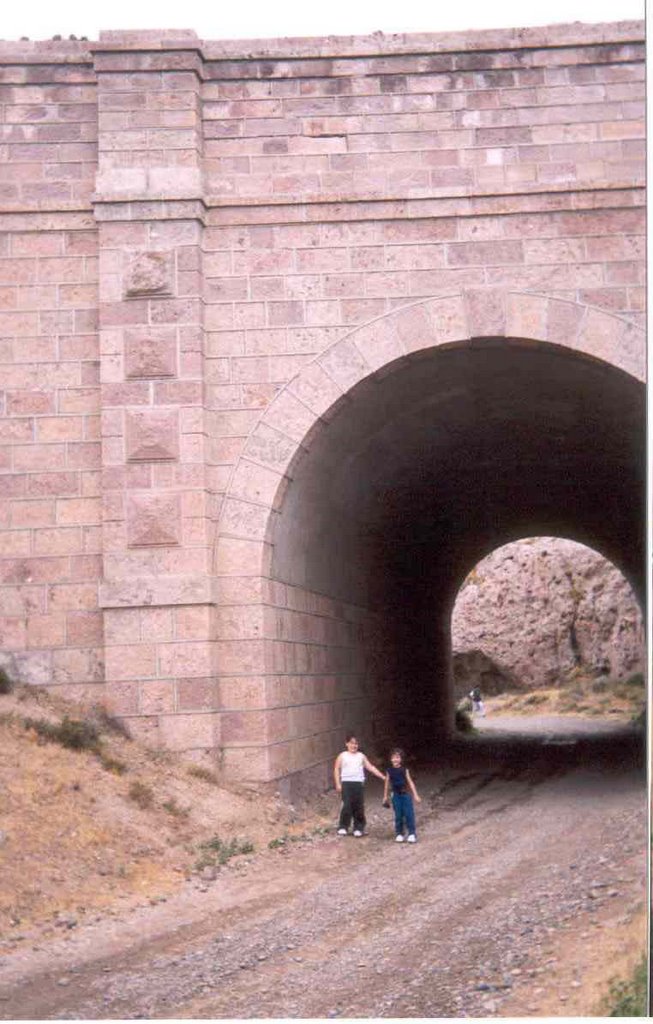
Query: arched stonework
{"points": [[302, 406], [289, 652]]}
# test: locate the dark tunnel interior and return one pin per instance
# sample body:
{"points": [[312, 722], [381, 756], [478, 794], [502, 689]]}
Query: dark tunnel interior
{"points": [[423, 469]]}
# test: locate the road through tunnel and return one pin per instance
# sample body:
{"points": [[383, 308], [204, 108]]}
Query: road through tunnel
{"points": [[421, 470]]}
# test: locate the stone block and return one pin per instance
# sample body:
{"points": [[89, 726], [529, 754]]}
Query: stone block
{"points": [[255, 483], [189, 659], [240, 657], [485, 309], [150, 352], [156, 623], [84, 628], [46, 631], [243, 692], [345, 364], [526, 316], [153, 520], [379, 343], [77, 665], [157, 698], [243, 727], [134, 661], [199, 694], [152, 435], [269, 448], [150, 273], [190, 731]]}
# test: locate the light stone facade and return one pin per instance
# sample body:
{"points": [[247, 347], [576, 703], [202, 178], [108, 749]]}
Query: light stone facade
{"points": [[227, 273]]}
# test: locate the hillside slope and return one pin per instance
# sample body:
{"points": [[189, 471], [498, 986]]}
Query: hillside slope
{"points": [[84, 830]]}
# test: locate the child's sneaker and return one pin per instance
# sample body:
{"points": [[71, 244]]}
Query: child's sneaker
{"points": [[342, 831], [399, 839], [412, 839], [357, 833]]}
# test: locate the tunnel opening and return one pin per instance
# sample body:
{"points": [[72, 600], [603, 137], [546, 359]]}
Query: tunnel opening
{"points": [[415, 475], [551, 635]]}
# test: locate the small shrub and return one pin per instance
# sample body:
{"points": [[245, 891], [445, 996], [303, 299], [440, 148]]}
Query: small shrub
{"points": [[534, 698], [6, 682], [70, 733], [78, 735], [217, 851], [113, 765], [599, 685], [172, 807], [636, 680], [463, 721], [628, 998], [141, 794], [203, 773]]}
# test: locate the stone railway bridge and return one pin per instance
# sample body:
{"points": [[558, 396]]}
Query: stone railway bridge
{"points": [[292, 334]]}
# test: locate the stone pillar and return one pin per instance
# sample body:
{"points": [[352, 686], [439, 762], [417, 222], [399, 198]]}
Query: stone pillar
{"points": [[155, 590]]}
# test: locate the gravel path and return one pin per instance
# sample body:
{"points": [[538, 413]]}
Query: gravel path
{"points": [[508, 864], [550, 727]]}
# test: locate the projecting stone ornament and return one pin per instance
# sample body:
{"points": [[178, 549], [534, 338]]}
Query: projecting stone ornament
{"points": [[148, 354], [150, 273], [152, 435], [153, 520]]}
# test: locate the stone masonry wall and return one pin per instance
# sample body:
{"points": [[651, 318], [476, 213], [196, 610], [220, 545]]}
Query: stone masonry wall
{"points": [[185, 225]]}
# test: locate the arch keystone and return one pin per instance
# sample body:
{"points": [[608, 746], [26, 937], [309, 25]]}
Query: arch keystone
{"points": [[526, 315], [486, 312]]}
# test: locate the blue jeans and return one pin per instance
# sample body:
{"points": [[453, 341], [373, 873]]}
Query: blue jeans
{"points": [[404, 812]]}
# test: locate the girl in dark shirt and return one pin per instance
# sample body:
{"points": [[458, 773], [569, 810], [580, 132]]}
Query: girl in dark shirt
{"points": [[398, 780]]}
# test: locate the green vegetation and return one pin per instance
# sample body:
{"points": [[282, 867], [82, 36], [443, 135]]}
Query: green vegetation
{"points": [[629, 998], [72, 733], [216, 851]]}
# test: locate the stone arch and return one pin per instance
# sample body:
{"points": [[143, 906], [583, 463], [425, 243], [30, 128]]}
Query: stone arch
{"points": [[303, 406], [301, 653]]}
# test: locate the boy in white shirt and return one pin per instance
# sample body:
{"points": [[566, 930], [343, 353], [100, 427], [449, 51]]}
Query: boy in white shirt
{"points": [[349, 777]]}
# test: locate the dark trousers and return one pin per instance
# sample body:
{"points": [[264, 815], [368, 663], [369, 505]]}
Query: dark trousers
{"points": [[404, 812], [352, 806]]}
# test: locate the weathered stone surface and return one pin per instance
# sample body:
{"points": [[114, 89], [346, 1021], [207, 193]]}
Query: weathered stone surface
{"points": [[152, 435], [575, 611], [150, 352], [150, 273], [153, 520], [211, 259]]}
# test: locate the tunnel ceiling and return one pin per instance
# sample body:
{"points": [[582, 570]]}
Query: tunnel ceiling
{"points": [[453, 452]]}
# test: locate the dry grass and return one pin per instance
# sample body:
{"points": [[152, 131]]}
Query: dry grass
{"points": [[580, 695], [74, 840]]}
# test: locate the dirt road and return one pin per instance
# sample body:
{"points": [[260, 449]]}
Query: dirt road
{"points": [[523, 895]]}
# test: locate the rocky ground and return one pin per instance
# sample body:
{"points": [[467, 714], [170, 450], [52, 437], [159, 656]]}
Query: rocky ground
{"points": [[524, 895]]}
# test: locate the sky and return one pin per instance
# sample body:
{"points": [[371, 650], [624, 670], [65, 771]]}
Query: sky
{"points": [[217, 19]]}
